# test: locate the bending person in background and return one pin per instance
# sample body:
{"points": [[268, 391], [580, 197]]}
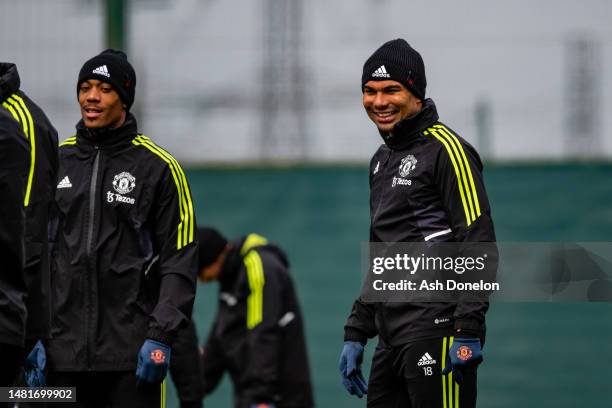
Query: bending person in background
{"points": [[258, 334]]}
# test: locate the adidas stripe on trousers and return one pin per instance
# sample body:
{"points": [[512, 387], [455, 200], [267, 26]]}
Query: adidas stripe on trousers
{"points": [[410, 376]]}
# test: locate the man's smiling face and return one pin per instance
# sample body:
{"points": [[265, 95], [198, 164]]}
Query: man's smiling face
{"points": [[388, 102], [100, 105]]}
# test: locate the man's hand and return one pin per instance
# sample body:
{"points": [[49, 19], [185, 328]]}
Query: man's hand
{"points": [[34, 366], [263, 405], [153, 362], [350, 368], [465, 352]]}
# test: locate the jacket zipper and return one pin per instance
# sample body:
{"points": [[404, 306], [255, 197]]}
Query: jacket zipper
{"points": [[91, 275], [383, 330], [384, 189]]}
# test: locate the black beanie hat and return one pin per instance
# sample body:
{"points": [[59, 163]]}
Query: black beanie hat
{"points": [[211, 243], [111, 66], [398, 61]]}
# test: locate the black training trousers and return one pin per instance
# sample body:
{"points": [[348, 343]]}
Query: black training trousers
{"points": [[108, 389], [410, 376], [12, 359]]}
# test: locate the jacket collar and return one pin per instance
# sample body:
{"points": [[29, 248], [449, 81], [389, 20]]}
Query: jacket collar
{"points": [[9, 80], [107, 138], [407, 130], [239, 249]]}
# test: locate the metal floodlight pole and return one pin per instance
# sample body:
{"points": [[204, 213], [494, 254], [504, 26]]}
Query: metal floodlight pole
{"points": [[583, 98], [284, 97], [484, 127], [116, 24]]}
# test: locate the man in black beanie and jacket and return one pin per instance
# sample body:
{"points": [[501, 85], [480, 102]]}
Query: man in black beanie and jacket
{"points": [[125, 251], [426, 185]]}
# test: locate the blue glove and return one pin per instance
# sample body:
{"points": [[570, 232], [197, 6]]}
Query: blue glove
{"points": [[464, 352], [350, 368], [153, 362], [263, 405], [34, 366]]}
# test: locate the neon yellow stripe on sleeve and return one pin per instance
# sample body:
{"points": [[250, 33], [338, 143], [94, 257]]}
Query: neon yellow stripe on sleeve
{"points": [[10, 109], [467, 166], [457, 173], [180, 233], [185, 227], [462, 170], [255, 276], [252, 241], [22, 117], [69, 141], [189, 226], [32, 137]]}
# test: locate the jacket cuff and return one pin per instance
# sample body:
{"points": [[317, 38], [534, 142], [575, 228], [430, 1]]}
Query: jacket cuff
{"points": [[468, 328], [355, 335], [160, 336]]}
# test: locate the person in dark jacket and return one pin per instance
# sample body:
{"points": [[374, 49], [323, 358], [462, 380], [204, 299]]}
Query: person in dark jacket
{"points": [[258, 334], [14, 167], [426, 185], [186, 368], [39, 196], [125, 253]]}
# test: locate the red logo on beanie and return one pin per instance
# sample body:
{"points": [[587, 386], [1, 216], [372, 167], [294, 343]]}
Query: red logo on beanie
{"points": [[464, 353], [411, 82], [158, 356], [127, 83]]}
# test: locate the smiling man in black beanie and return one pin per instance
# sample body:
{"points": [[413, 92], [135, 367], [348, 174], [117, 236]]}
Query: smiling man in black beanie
{"points": [[426, 185], [125, 252]]}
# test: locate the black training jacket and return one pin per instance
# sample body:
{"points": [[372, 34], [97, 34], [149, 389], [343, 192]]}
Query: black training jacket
{"points": [[258, 335], [39, 196], [125, 256], [425, 185], [14, 166]]}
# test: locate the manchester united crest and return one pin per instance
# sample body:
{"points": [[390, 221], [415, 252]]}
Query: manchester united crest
{"points": [[158, 356], [464, 353], [408, 164], [124, 183]]}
